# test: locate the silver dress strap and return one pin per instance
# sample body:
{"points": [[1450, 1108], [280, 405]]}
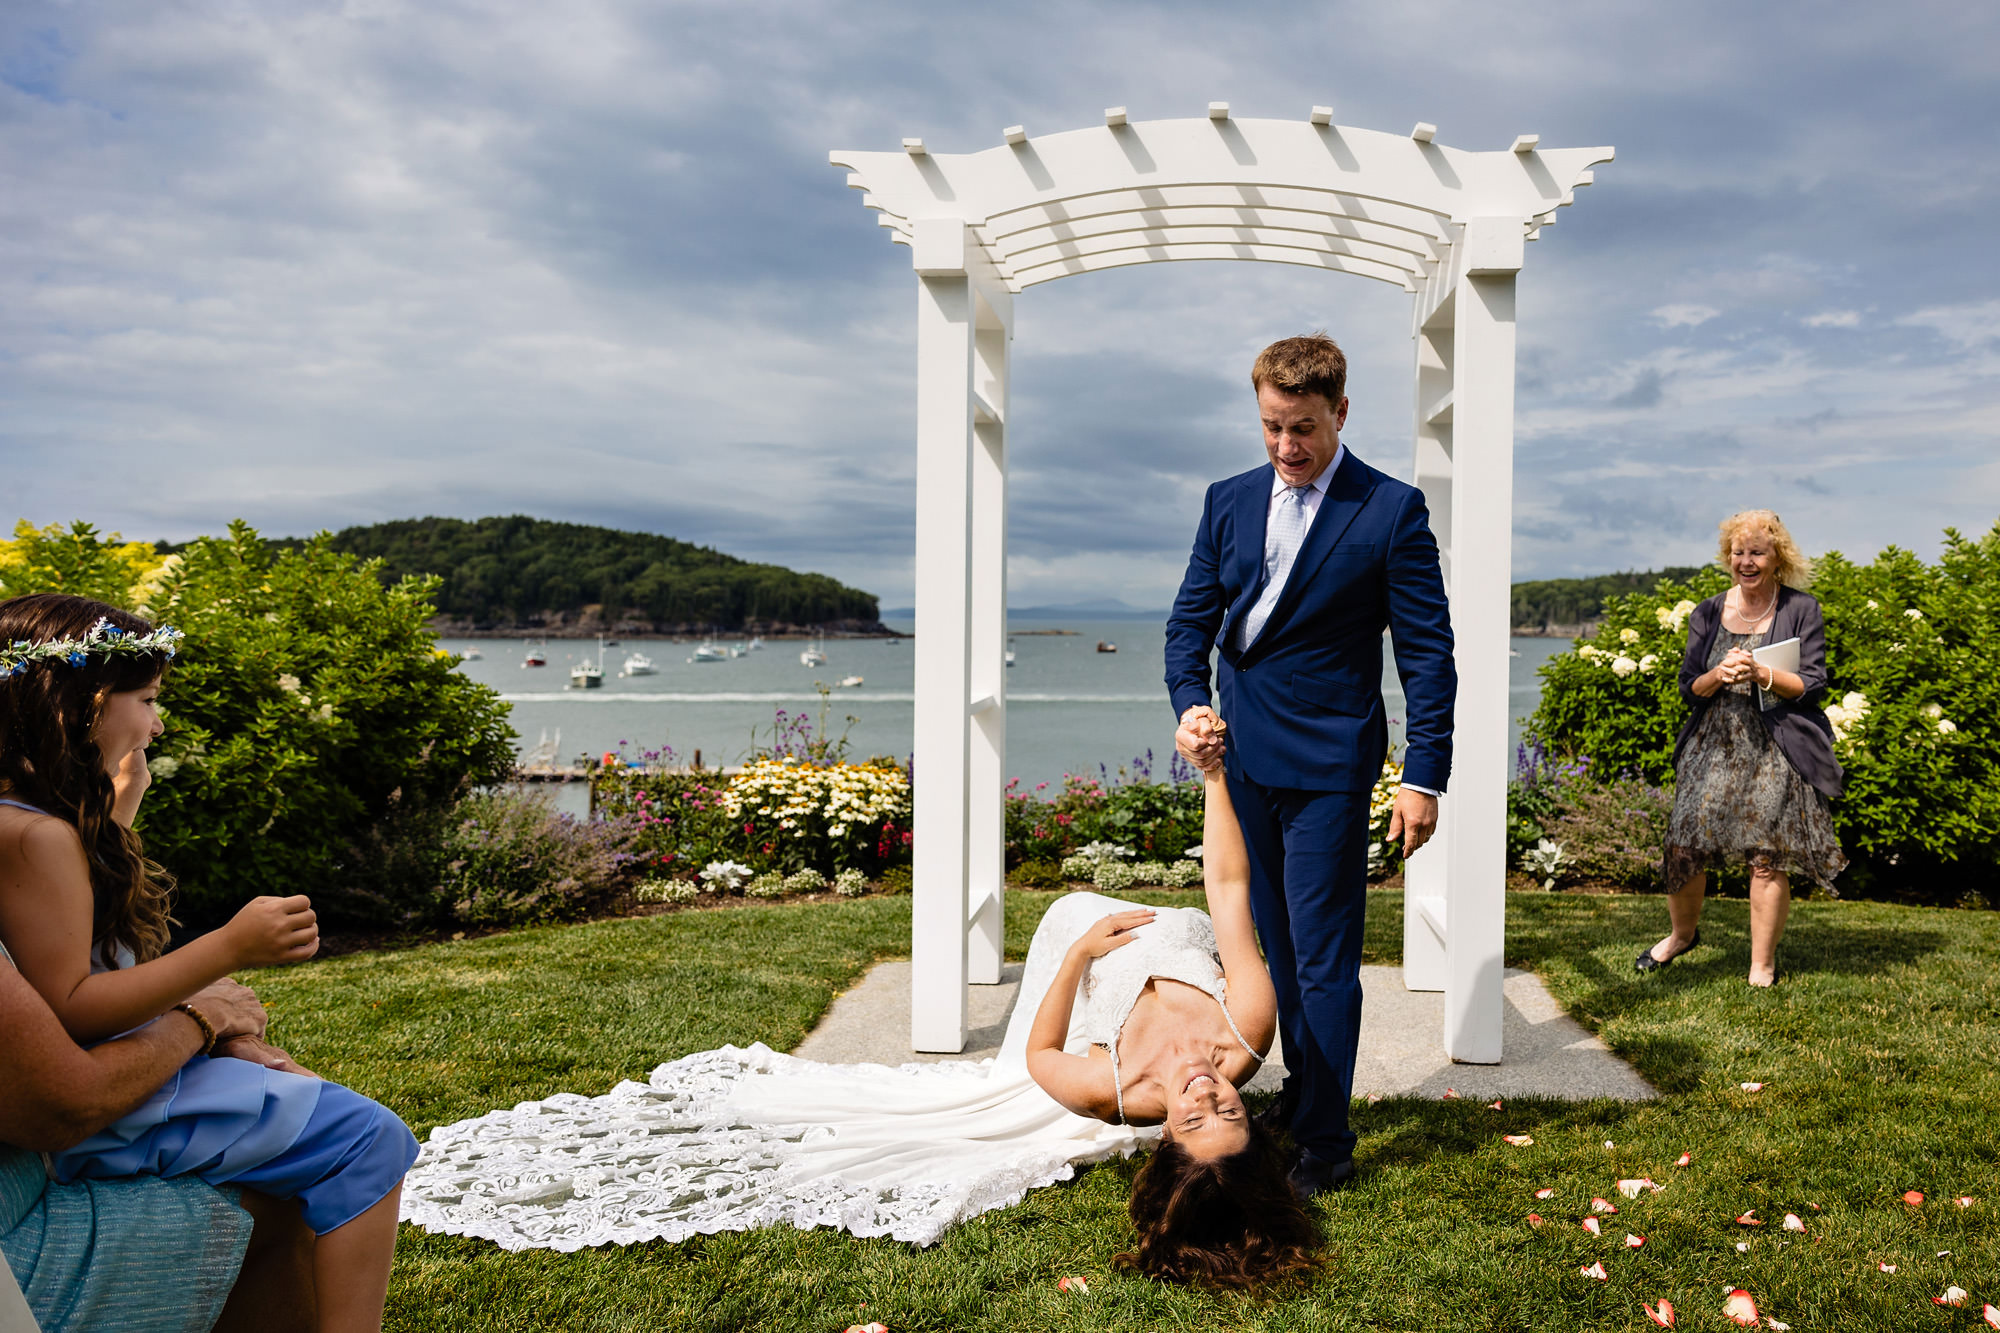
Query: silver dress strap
{"points": [[1230, 1019]]}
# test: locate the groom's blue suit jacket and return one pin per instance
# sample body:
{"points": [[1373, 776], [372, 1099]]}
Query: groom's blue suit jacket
{"points": [[1304, 703]]}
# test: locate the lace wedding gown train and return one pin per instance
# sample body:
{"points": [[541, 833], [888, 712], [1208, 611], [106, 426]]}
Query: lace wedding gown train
{"points": [[738, 1138]]}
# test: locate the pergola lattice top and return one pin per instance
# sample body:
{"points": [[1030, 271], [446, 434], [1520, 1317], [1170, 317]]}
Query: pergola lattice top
{"points": [[1376, 205]]}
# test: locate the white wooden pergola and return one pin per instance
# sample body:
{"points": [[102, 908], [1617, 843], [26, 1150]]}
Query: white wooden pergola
{"points": [[1447, 226]]}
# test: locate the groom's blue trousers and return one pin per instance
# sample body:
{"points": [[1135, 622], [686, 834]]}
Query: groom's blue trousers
{"points": [[1309, 898]]}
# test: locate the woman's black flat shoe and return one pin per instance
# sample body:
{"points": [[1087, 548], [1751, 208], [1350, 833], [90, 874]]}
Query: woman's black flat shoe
{"points": [[1647, 963]]}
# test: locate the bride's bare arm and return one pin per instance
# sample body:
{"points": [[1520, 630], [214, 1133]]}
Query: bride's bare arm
{"points": [[1081, 1084], [1225, 865]]}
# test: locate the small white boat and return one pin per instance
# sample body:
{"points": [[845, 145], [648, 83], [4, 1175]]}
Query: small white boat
{"points": [[1010, 652], [589, 675], [1106, 646], [710, 651], [756, 643], [814, 655], [638, 664], [538, 655], [849, 683]]}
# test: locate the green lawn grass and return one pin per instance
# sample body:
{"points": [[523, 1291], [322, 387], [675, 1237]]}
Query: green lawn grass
{"points": [[1878, 1056]]}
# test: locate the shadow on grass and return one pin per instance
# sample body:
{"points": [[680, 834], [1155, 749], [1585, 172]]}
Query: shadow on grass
{"points": [[1643, 1017]]}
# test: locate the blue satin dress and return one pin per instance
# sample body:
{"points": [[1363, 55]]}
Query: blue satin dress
{"points": [[231, 1122]]}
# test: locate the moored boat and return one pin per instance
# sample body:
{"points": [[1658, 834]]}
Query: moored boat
{"points": [[638, 664]]}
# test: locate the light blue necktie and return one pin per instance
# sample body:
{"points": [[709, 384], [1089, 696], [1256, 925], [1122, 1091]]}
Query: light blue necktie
{"points": [[1286, 534]]}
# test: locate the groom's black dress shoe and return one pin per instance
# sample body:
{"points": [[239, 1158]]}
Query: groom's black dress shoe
{"points": [[1312, 1175]]}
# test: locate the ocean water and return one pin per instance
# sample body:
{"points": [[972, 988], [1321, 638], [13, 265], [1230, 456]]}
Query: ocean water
{"points": [[1070, 708]]}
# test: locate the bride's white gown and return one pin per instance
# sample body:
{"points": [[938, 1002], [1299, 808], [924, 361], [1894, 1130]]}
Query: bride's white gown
{"points": [[738, 1138]]}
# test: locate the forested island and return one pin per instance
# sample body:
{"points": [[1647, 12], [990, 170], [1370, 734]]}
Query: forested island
{"points": [[1568, 607], [516, 575]]}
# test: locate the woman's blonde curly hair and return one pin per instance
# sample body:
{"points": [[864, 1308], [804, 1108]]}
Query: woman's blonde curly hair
{"points": [[1794, 570]]}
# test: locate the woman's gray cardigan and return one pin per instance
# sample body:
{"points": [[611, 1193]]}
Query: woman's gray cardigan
{"points": [[1803, 734]]}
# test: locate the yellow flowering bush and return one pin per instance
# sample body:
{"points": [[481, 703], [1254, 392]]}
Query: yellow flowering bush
{"points": [[826, 817]]}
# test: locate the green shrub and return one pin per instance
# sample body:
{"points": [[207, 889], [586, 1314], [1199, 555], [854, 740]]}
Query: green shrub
{"points": [[1611, 832], [1913, 659], [512, 859], [1616, 699], [1182, 874], [666, 891], [1920, 645], [1038, 874], [309, 717], [896, 879]]}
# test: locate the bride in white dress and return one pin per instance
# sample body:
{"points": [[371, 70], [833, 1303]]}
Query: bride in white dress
{"points": [[1129, 1018]]}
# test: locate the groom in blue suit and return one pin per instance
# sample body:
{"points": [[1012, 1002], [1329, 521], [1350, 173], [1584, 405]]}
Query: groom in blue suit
{"points": [[1298, 567]]}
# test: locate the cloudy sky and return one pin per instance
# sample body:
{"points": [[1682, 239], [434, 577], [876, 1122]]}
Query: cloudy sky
{"points": [[315, 264]]}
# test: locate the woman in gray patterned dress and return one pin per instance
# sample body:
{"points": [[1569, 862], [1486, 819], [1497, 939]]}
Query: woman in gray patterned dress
{"points": [[1754, 770]]}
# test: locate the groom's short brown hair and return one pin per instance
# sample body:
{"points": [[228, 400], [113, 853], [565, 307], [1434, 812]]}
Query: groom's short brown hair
{"points": [[1310, 363]]}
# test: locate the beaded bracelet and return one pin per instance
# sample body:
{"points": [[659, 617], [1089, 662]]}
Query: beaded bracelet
{"points": [[207, 1028]]}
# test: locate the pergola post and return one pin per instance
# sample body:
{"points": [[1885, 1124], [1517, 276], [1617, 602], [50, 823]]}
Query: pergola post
{"points": [[1426, 876], [1481, 601], [943, 650], [964, 322], [1444, 224]]}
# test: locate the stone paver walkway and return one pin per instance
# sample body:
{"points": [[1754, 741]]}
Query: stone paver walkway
{"points": [[1547, 1054]]}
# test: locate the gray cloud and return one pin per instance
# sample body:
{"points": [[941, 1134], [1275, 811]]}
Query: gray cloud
{"points": [[317, 265]]}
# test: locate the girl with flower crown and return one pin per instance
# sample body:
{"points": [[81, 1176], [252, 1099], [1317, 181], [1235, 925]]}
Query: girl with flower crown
{"points": [[83, 916]]}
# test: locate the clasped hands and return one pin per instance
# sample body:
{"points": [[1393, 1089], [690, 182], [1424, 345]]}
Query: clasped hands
{"points": [[1199, 741], [1736, 667]]}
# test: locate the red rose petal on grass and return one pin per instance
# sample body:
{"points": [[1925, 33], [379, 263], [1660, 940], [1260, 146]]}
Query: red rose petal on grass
{"points": [[1450, 1095], [1743, 1247], [1886, 1268], [1633, 1242], [1592, 1225], [1813, 1206], [867, 1328], [1518, 1140], [1661, 1314], [1965, 1201], [1493, 1105], [1991, 1316], [1074, 1285], [1534, 1219], [1604, 1206], [1914, 1198], [1545, 1194], [1739, 1306], [1792, 1222], [1685, 1159], [1779, 1325], [1374, 1097], [1751, 1087], [1597, 1271], [1630, 1188], [1749, 1219], [1953, 1296]]}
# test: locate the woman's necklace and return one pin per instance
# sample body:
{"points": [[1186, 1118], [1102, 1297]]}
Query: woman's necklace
{"points": [[1747, 618]]}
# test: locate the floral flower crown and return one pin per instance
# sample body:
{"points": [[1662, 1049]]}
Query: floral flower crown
{"points": [[103, 640]]}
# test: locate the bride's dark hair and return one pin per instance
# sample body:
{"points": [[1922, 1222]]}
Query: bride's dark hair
{"points": [[1229, 1221], [48, 759]]}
